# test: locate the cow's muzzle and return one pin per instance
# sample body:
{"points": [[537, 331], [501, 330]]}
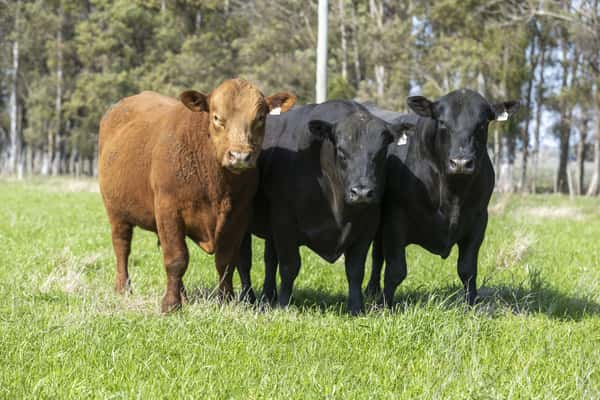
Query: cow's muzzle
{"points": [[238, 161], [461, 166], [361, 194]]}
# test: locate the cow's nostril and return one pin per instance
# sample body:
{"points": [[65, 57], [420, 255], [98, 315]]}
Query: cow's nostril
{"points": [[369, 193], [452, 164], [469, 164], [239, 157]]}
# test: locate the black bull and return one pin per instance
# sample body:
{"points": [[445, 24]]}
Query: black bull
{"points": [[438, 187], [322, 172]]}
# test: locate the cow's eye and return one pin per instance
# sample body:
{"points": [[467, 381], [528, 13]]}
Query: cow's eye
{"points": [[218, 121], [260, 120]]}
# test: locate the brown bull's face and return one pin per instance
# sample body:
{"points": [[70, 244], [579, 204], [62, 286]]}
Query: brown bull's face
{"points": [[237, 111]]}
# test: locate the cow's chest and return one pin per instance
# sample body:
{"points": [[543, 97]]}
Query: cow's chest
{"points": [[440, 230], [216, 228], [330, 237]]}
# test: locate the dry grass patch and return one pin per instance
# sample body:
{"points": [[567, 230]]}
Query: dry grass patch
{"points": [[514, 252], [68, 276], [554, 212]]}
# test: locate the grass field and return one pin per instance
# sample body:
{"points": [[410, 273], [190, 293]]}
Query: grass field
{"points": [[65, 334]]}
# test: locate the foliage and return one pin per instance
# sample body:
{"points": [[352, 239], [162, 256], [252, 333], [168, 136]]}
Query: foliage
{"points": [[379, 50]]}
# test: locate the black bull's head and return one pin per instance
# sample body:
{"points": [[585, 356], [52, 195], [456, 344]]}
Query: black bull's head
{"points": [[461, 117]]}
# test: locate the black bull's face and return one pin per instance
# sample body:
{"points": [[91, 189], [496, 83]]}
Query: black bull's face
{"points": [[360, 144], [459, 139]]}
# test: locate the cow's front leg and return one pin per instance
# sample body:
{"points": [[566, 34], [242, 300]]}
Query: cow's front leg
{"points": [[244, 266], [468, 252], [373, 289], [175, 255], [225, 270], [355, 257], [269, 293]]}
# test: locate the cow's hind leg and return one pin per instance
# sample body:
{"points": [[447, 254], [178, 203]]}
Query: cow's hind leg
{"points": [[373, 288], [289, 266], [244, 266], [270, 284], [175, 256], [122, 233]]}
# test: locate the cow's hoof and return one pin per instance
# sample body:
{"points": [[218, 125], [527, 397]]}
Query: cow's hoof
{"points": [[355, 311], [269, 296], [247, 296], [373, 291], [123, 286], [170, 304], [225, 296], [184, 296]]}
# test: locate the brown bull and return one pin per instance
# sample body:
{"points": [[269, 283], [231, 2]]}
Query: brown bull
{"points": [[184, 168]]}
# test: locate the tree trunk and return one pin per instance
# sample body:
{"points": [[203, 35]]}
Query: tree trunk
{"points": [[594, 188], [525, 134], [58, 142], [580, 171], [343, 44], [538, 116], [380, 81], [562, 185], [376, 12], [357, 74], [497, 152], [14, 147]]}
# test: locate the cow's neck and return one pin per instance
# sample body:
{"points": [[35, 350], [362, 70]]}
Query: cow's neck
{"points": [[446, 193], [332, 185], [215, 181]]}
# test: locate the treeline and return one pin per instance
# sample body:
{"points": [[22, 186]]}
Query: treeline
{"points": [[64, 62]]}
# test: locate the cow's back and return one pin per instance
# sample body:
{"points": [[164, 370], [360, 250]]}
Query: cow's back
{"points": [[128, 135]]}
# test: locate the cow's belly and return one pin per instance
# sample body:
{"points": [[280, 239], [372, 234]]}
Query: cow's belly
{"points": [[126, 189]]}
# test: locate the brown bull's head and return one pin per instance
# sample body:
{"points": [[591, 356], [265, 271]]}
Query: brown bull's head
{"points": [[237, 111]]}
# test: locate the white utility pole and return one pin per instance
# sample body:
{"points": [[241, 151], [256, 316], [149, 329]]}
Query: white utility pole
{"points": [[321, 88]]}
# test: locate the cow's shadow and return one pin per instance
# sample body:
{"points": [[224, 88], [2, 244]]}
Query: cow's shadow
{"points": [[493, 301]]}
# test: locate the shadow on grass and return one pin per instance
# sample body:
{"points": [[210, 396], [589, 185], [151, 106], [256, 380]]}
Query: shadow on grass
{"points": [[493, 300]]}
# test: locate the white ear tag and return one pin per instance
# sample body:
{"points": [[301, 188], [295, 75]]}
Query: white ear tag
{"points": [[502, 117], [275, 111], [402, 140]]}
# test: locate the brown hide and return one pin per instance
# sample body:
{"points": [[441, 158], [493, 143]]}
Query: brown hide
{"points": [[183, 168]]}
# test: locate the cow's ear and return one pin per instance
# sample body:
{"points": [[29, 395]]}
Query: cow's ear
{"points": [[321, 130], [280, 102], [422, 106], [505, 109], [401, 128], [194, 100]]}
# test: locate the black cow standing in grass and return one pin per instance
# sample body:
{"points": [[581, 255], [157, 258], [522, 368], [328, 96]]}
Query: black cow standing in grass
{"points": [[321, 181], [439, 183]]}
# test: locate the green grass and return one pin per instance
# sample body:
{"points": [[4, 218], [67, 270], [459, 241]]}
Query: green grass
{"points": [[65, 334]]}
